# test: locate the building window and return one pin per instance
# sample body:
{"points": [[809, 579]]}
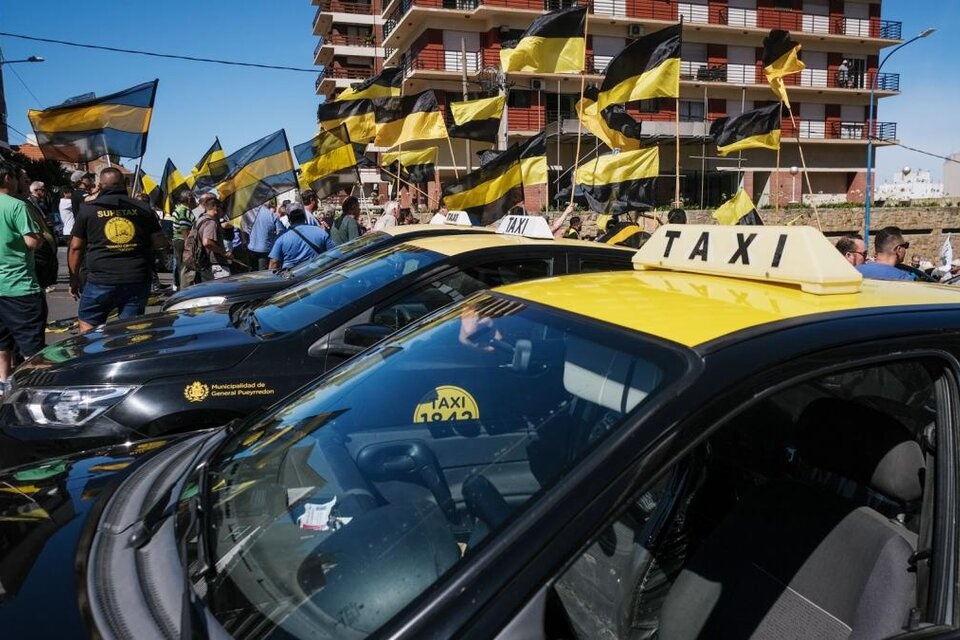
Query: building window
{"points": [[691, 111], [783, 4], [649, 106], [519, 99]]}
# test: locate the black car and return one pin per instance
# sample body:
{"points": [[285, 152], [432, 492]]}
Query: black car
{"points": [[180, 371], [724, 445], [260, 285]]}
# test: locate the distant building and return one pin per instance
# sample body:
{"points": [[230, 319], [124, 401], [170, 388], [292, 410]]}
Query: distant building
{"points": [[915, 185], [951, 176]]}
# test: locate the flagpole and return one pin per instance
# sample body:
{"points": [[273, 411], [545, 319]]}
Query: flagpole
{"points": [[806, 174], [409, 184], [463, 78], [776, 201], [583, 86], [453, 157], [676, 184], [136, 176]]}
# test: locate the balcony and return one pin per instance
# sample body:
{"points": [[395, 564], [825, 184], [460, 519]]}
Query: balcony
{"points": [[442, 60], [352, 73], [316, 50], [352, 41], [339, 6], [820, 130]]}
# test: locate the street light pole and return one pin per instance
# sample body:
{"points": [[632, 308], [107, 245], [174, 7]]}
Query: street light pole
{"points": [[4, 136], [871, 123]]}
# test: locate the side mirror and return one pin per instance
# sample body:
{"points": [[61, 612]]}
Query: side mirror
{"points": [[365, 335]]}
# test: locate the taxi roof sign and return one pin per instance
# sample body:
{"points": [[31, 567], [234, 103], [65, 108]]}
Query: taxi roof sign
{"points": [[788, 255], [526, 226], [459, 218]]}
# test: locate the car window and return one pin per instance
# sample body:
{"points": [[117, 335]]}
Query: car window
{"points": [[797, 514], [457, 286], [594, 264], [367, 242], [365, 489], [304, 304]]}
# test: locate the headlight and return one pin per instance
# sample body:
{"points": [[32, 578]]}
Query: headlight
{"points": [[65, 406], [193, 303]]}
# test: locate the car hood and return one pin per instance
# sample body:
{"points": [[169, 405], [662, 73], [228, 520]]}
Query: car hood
{"points": [[144, 348], [238, 287]]}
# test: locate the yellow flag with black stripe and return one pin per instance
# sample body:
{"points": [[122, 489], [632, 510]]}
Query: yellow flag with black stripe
{"points": [[150, 187], [414, 166], [258, 172], [323, 158], [738, 210], [533, 160], [211, 168], [83, 131], [487, 193], [779, 60], [646, 68], [386, 84], [477, 119], [615, 127], [755, 129], [172, 184], [619, 182], [357, 115], [407, 118], [554, 43]]}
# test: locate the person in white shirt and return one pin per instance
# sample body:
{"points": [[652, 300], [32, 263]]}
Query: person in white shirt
{"points": [[389, 216], [66, 211]]}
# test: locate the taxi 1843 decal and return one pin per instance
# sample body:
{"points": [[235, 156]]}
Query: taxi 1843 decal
{"points": [[446, 403], [198, 391]]}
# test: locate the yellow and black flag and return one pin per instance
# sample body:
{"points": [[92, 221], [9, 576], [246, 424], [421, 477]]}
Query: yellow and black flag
{"points": [[755, 129], [646, 68], [172, 184], [779, 60], [150, 187], [258, 172], [477, 119], [356, 115], [554, 43], [614, 127], [407, 118], [620, 182], [737, 210], [115, 125], [487, 193], [412, 167], [386, 84], [323, 159], [533, 160], [211, 169]]}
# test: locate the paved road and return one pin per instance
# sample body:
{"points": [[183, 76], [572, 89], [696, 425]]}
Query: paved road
{"points": [[63, 308]]}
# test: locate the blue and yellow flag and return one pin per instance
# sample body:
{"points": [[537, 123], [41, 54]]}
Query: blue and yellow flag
{"points": [[114, 125], [172, 185], [211, 169], [257, 172]]}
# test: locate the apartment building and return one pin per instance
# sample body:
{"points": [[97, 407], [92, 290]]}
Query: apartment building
{"points": [[350, 43], [442, 44]]}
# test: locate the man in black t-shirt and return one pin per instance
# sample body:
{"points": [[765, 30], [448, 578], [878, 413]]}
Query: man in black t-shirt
{"points": [[114, 236]]}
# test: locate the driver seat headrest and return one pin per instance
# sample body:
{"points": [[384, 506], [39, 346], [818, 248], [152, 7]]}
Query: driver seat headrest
{"points": [[863, 444]]}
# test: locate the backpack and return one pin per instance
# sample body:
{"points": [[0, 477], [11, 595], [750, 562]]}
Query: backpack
{"points": [[195, 256]]}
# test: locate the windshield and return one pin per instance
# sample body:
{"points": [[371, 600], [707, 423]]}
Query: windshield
{"points": [[333, 512], [367, 242], [308, 302]]}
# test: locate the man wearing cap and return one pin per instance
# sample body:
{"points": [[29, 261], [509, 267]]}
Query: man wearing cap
{"points": [[114, 236], [891, 251], [301, 241]]}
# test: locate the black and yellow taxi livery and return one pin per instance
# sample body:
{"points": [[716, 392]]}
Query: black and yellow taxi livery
{"points": [[183, 370], [739, 438]]}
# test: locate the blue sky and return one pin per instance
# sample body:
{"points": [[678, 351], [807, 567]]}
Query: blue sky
{"points": [[196, 102]]}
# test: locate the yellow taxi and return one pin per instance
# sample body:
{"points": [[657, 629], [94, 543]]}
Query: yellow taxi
{"points": [[740, 438]]}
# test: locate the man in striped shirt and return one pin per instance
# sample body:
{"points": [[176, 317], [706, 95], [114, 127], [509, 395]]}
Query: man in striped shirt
{"points": [[182, 223]]}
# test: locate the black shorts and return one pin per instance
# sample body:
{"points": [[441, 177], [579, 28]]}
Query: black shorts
{"points": [[23, 323]]}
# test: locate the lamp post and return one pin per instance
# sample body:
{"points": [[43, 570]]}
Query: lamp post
{"points": [[871, 121], [4, 137], [793, 194]]}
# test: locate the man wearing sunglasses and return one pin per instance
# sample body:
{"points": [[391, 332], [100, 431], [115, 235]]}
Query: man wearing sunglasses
{"points": [[891, 251]]}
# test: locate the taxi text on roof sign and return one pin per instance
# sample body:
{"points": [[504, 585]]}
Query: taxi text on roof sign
{"points": [[526, 226], [459, 218], [789, 255]]}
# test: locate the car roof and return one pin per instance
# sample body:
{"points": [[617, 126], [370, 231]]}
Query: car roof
{"points": [[452, 245], [401, 230], [693, 301]]}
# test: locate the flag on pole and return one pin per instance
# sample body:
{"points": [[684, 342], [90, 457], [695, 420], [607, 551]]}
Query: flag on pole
{"points": [[756, 129], [533, 160], [172, 184], [619, 182], [323, 158], [115, 125], [554, 43], [477, 119], [150, 187], [946, 254], [487, 193], [357, 115], [646, 68], [405, 119], [386, 84], [614, 127], [779, 60], [738, 210], [211, 169], [258, 172], [413, 167]]}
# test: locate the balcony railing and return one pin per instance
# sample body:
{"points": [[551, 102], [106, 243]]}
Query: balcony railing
{"points": [[820, 130], [442, 60], [319, 80], [891, 29], [339, 6], [316, 49], [353, 73], [352, 41]]}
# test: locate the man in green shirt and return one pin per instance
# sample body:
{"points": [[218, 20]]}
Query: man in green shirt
{"points": [[22, 307], [183, 220], [346, 228]]}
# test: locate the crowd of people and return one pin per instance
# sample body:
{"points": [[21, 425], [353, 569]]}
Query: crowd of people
{"points": [[889, 259]]}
